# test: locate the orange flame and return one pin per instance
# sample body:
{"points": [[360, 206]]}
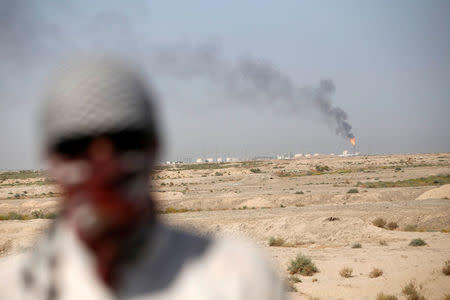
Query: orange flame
{"points": [[352, 140]]}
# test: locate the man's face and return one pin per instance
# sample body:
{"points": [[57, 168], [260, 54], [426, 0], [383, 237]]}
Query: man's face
{"points": [[103, 188]]}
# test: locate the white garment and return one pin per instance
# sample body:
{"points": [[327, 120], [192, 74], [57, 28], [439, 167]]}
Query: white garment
{"points": [[172, 265]]}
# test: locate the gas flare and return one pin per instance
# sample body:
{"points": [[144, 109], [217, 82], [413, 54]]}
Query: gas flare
{"points": [[352, 140]]}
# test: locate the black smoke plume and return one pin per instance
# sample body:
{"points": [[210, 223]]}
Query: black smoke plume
{"points": [[37, 36]]}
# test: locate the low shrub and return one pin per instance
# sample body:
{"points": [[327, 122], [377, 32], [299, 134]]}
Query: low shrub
{"points": [[276, 242], [173, 210], [375, 273], [294, 279], [38, 214], [302, 265], [50, 215], [383, 243], [255, 170], [411, 293], [356, 245], [382, 296], [392, 225], [13, 216], [331, 219], [352, 191], [417, 242], [346, 272], [446, 268], [379, 222], [299, 192]]}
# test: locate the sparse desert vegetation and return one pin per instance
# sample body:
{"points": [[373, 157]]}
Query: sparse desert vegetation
{"points": [[302, 265], [346, 272], [411, 292], [294, 279], [356, 246], [301, 204], [421, 181], [173, 210], [392, 225], [37, 214], [276, 242], [382, 296], [446, 268], [379, 222], [375, 273], [417, 243]]}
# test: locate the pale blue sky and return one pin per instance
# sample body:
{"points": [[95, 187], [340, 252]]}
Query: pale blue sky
{"points": [[389, 61]]}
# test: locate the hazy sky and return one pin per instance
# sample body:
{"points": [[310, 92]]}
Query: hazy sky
{"points": [[389, 62]]}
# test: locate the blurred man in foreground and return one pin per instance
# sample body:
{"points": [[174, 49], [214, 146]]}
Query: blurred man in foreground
{"points": [[101, 139]]}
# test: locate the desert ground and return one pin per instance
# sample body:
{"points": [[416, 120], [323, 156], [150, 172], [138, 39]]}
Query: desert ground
{"points": [[324, 207]]}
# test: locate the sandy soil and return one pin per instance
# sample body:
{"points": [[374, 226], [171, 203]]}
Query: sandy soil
{"points": [[282, 200]]}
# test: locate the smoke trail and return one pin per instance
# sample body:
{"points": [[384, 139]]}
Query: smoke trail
{"points": [[251, 81], [33, 39]]}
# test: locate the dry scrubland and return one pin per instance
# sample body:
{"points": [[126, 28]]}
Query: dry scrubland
{"points": [[360, 227]]}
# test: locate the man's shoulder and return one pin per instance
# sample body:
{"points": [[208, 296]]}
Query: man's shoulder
{"points": [[229, 266], [207, 247], [212, 247]]}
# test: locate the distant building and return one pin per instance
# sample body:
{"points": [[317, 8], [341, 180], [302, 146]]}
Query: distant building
{"points": [[307, 155], [209, 160], [345, 153], [298, 155], [219, 159], [316, 154], [284, 156], [262, 157], [199, 160]]}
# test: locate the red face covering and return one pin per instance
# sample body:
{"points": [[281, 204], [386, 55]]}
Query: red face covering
{"points": [[106, 197]]}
